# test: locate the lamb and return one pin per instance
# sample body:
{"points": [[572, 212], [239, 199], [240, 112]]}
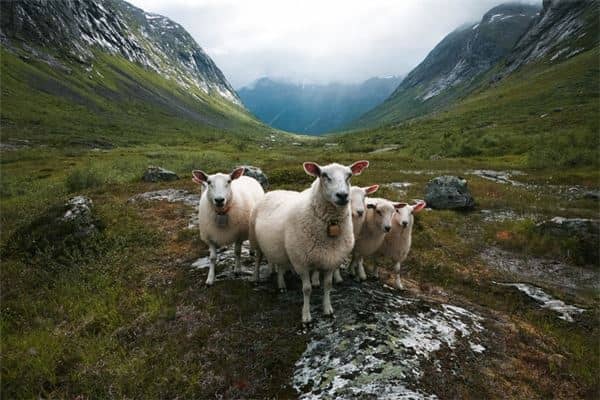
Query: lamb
{"points": [[308, 231], [377, 223], [357, 208], [225, 207], [397, 243]]}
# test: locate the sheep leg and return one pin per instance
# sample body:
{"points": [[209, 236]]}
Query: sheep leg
{"points": [[337, 276], [327, 309], [280, 279], [213, 261], [361, 270], [238, 258], [352, 266], [257, 261], [398, 282], [306, 290], [315, 278]]}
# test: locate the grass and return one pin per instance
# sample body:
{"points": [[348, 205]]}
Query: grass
{"points": [[121, 315]]}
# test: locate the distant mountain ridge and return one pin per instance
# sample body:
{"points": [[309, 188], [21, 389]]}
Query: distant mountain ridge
{"points": [[311, 108]]}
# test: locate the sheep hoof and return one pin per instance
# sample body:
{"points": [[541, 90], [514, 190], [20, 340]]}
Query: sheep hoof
{"points": [[282, 290], [330, 315], [316, 284], [209, 284], [307, 324]]}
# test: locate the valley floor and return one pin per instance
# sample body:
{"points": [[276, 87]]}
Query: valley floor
{"points": [[491, 307]]}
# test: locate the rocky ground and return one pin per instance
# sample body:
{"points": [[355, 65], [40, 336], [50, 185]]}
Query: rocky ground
{"points": [[423, 342]]}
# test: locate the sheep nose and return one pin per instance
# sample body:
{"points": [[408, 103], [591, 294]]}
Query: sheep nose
{"points": [[342, 197], [219, 201], [360, 212], [387, 228], [404, 224]]}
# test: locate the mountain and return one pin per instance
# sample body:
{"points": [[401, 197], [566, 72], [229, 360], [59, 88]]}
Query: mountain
{"points": [[455, 66], [314, 109], [562, 30], [537, 106], [114, 67]]}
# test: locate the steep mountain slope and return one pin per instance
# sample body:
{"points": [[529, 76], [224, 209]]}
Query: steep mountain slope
{"points": [[455, 66], [562, 30], [314, 109], [110, 66]]}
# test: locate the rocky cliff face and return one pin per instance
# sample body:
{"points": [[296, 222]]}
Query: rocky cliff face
{"points": [[78, 29], [469, 51], [563, 29], [455, 66]]}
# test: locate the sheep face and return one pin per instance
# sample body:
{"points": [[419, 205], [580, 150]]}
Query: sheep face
{"points": [[382, 213], [334, 180], [357, 199], [217, 187], [404, 213]]}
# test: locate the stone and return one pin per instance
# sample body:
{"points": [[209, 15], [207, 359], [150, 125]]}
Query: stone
{"points": [[78, 213], [448, 192], [157, 174], [256, 173]]}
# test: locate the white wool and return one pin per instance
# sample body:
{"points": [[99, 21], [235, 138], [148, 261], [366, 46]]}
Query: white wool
{"points": [[291, 230], [245, 194]]}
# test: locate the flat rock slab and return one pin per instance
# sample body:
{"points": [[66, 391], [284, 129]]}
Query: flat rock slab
{"points": [[380, 343], [550, 272]]}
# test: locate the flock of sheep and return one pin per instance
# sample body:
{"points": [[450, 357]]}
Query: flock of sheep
{"points": [[312, 231]]}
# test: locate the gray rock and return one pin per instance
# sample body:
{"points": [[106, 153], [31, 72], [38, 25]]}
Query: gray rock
{"points": [[157, 174], [592, 194], [571, 227], [78, 212], [256, 173], [448, 192]]}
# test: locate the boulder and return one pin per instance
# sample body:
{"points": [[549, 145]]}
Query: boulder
{"points": [[256, 173], [78, 213], [157, 174], [581, 228], [448, 192]]}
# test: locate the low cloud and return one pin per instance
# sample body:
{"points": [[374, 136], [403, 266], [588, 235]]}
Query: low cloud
{"points": [[318, 40]]}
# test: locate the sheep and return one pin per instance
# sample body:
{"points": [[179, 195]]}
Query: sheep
{"points": [[377, 223], [357, 207], [397, 243], [308, 230], [225, 207]]}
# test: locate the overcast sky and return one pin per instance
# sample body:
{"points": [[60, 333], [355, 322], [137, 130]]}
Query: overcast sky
{"points": [[318, 40]]}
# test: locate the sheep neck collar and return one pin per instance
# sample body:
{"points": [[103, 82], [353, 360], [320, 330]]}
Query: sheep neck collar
{"points": [[332, 216]]}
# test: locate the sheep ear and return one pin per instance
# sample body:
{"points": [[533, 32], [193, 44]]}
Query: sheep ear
{"points": [[371, 189], [419, 206], [312, 168], [199, 176], [237, 173], [358, 167], [397, 206]]}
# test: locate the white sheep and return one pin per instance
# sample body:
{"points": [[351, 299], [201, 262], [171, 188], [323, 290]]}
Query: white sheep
{"points": [[308, 231], [377, 223], [397, 243], [357, 208], [225, 207]]}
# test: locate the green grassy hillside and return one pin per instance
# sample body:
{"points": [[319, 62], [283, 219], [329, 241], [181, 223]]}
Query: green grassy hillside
{"points": [[545, 114], [115, 101]]}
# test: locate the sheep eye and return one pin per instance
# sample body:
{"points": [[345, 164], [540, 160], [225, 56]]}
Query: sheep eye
{"points": [[378, 212], [324, 175], [209, 182], [229, 181]]}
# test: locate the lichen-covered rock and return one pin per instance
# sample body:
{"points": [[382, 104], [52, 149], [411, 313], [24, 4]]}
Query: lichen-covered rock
{"points": [[157, 174], [256, 173], [579, 236], [448, 192], [78, 213]]}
